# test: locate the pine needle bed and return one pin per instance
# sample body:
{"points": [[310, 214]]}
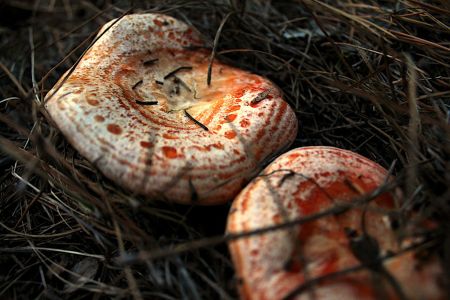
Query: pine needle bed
{"points": [[369, 76]]}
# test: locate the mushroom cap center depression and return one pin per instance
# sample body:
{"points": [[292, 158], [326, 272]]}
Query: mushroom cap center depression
{"points": [[169, 82]]}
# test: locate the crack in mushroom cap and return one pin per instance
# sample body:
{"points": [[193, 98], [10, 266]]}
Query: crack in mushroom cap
{"points": [[137, 105], [271, 265]]}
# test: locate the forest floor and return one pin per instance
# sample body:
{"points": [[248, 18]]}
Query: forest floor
{"points": [[368, 76]]}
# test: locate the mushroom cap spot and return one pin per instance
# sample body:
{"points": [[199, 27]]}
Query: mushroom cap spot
{"points": [[114, 128], [92, 101], [146, 144], [99, 118], [245, 123], [230, 134], [234, 108], [169, 136], [302, 183], [231, 117], [140, 77], [169, 152]]}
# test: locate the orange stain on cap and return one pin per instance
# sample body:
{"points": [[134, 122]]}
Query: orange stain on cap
{"points": [[231, 118], [169, 136], [146, 144], [169, 152], [99, 118], [245, 123], [230, 134], [93, 102], [114, 128], [234, 108], [239, 93], [158, 23]]}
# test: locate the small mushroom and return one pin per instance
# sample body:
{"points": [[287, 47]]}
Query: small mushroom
{"points": [[280, 264], [138, 106]]}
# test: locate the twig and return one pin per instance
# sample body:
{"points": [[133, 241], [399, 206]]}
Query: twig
{"points": [[195, 121], [206, 242], [137, 84], [147, 102], [172, 73], [56, 88], [13, 78], [413, 128], [216, 42], [150, 62], [315, 281]]}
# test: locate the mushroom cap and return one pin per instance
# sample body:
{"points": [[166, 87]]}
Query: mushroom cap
{"points": [[137, 106], [303, 182]]}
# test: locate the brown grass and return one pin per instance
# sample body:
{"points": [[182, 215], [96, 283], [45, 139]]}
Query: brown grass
{"points": [[368, 76]]}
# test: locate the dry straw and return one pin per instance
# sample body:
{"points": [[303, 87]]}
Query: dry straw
{"points": [[368, 76]]}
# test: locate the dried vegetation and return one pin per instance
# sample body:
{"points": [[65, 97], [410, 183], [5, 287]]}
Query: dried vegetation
{"points": [[368, 76]]}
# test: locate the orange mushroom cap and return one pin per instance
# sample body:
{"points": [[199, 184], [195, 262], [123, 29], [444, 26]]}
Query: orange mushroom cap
{"points": [[304, 182], [138, 106]]}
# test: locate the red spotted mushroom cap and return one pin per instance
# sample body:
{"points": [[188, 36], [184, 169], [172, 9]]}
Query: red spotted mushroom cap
{"points": [[304, 182], [138, 106]]}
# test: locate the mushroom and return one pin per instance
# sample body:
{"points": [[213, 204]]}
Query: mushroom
{"points": [[138, 106], [283, 263]]}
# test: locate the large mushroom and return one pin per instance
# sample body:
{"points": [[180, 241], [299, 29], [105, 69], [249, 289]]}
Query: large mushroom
{"points": [[321, 254], [139, 107]]}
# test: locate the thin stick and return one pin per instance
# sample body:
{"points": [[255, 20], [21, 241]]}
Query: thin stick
{"points": [[132, 284], [35, 198], [14, 80], [56, 88], [215, 240], [137, 84], [216, 42], [146, 102], [150, 62], [40, 236], [313, 282], [182, 83], [195, 121], [414, 128], [172, 73], [67, 34]]}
